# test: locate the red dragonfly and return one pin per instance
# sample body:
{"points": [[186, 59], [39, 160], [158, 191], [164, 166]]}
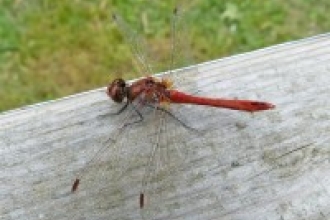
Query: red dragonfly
{"points": [[158, 93], [153, 91]]}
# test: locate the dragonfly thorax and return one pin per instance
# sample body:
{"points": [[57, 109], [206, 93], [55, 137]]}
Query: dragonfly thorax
{"points": [[149, 89]]}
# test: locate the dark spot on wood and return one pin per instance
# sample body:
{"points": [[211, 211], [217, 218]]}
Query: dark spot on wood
{"points": [[235, 164], [75, 185], [141, 200]]}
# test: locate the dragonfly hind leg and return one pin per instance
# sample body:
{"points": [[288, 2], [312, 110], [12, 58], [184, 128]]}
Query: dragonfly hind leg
{"points": [[174, 117], [141, 118]]}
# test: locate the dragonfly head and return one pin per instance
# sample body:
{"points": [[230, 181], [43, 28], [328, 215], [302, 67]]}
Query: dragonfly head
{"points": [[117, 90]]}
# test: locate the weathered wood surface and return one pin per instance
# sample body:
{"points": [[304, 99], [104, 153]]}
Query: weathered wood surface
{"points": [[270, 165]]}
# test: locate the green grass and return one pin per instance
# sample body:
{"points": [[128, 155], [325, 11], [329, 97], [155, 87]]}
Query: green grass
{"points": [[50, 49]]}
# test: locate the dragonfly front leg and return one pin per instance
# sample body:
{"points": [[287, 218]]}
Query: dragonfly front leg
{"points": [[140, 119], [121, 109]]}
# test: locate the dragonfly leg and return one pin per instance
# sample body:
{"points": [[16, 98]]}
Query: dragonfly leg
{"points": [[173, 116], [121, 109], [140, 119]]}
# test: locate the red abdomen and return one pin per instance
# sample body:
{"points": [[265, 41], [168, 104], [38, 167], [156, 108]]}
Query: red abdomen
{"points": [[241, 105]]}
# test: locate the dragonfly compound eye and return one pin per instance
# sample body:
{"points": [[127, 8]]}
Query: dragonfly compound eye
{"points": [[117, 90]]}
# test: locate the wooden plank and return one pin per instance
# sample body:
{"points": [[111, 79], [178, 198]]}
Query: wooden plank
{"points": [[270, 165]]}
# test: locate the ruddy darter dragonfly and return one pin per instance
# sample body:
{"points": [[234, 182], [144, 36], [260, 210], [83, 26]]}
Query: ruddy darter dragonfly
{"points": [[154, 92]]}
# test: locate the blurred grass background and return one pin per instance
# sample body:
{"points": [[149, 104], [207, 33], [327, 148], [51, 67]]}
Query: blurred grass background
{"points": [[50, 49]]}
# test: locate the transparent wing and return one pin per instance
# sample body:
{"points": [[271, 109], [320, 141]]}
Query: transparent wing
{"points": [[177, 49], [137, 45], [170, 166], [116, 165], [180, 61], [151, 157]]}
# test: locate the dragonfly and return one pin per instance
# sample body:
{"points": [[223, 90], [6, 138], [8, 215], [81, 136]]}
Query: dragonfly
{"points": [[158, 93]]}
